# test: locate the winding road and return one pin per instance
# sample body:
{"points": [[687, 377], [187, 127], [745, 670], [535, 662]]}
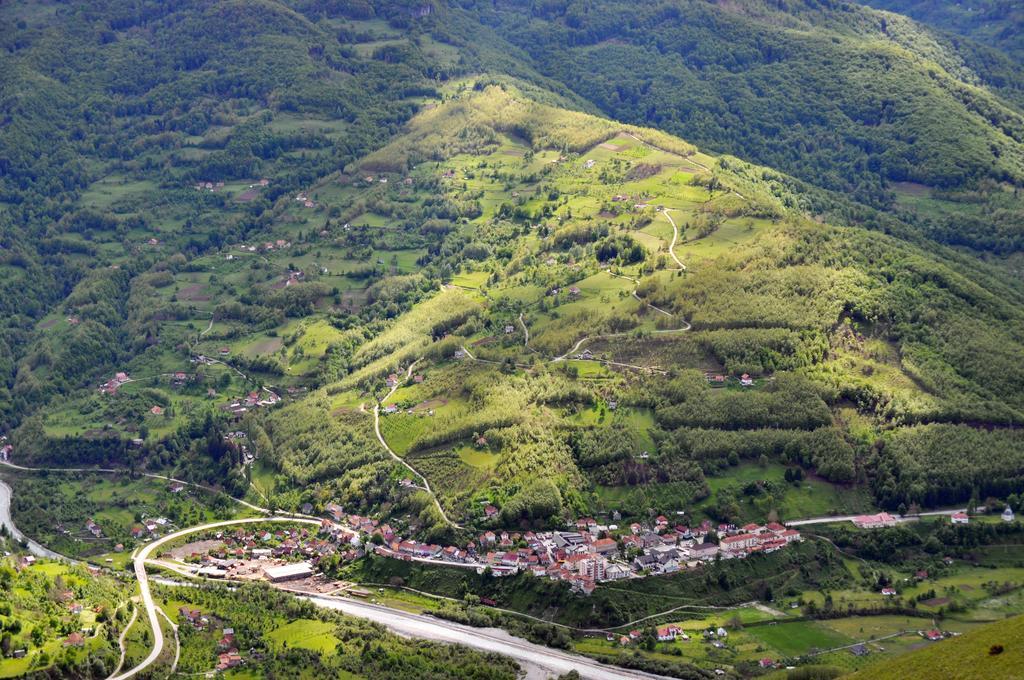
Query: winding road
{"points": [[675, 238], [586, 338], [139, 560], [383, 442], [539, 661]]}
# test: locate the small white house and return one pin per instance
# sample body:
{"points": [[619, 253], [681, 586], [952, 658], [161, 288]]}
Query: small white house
{"points": [[1008, 514]]}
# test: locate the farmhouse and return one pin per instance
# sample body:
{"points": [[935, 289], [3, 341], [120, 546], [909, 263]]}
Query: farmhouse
{"points": [[1007, 514], [959, 518]]}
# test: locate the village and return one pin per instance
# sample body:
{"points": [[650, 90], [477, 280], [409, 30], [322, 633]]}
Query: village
{"points": [[584, 556], [592, 554]]}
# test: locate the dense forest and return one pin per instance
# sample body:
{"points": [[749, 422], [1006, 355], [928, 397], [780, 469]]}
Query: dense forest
{"points": [[995, 23]]}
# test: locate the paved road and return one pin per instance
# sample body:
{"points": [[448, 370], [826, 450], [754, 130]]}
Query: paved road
{"points": [[849, 518], [540, 661], [139, 560], [125, 471]]}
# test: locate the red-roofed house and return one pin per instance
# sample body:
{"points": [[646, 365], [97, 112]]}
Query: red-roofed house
{"points": [[882, 519], [668, 633], [738, 542]]}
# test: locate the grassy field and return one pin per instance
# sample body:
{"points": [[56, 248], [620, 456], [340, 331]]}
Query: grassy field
{"points": [[798, 637], [306, 634]]}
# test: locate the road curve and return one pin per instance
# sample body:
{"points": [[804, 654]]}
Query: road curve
{"points": [[675, 237], [416, 625], [139, 560]]}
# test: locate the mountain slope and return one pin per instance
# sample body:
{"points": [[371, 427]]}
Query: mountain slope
{"points": [[838, 95], [993, 651]]}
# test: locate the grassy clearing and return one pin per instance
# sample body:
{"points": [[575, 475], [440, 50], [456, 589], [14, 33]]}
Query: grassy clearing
{"points": [[477, 458], [306, 634], [470, 279]]}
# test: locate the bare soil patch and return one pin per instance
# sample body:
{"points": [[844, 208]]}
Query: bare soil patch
{"points": [[197, 547], [643, 171], [912, 188], [193, 293], [429, 404]]}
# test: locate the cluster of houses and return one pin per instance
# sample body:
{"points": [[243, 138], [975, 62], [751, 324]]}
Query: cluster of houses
{"points": [[150, 527], [111, 386], [241, 439], [279, 244], [583, 557], [289, 279], [589, 554], [572, 291], [240, 405], [394, 380], [208, 186], [276, 552], [671, 633], [227, 651], [719, 380]]}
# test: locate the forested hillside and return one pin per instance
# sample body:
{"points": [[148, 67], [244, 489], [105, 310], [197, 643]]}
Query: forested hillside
{"points": [[995, 23]]}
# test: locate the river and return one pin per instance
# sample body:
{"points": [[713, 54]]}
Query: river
{"points": [[5, 520]]}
